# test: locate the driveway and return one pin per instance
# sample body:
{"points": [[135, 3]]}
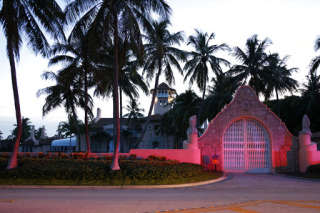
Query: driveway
{"points": [[241, 193]]}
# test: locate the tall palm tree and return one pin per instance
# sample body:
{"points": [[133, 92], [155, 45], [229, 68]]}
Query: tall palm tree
{"points": [[201, 57], [160, 57], [30, 18], [278, 77], [254, 61], [118, 18]]}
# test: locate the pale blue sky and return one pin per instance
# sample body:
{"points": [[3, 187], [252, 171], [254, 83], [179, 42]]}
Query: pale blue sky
{"points": [[290, 24]]}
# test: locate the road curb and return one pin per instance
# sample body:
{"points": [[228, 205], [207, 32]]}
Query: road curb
{"points": [[223, 178]]}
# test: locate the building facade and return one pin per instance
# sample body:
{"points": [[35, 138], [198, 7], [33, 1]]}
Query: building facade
{"points": [[101, 136]]}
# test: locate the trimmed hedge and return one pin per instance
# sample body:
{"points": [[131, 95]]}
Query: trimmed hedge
{"points": [[97, 172]]}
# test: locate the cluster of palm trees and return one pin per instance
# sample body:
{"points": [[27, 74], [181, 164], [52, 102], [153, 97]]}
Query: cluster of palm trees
{"points": [[108, 42]]}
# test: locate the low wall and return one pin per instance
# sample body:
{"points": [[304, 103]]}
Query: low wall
{"points": [[181, 155]]}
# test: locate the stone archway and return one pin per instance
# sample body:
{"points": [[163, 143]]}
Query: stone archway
{"points": [[277, 140], [246, 147]]}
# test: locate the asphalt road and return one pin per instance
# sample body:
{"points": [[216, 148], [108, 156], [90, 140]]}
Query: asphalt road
{"points": [[256, 193]]}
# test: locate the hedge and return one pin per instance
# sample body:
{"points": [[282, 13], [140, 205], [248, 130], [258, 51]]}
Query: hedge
{"points": [[97, 172]]}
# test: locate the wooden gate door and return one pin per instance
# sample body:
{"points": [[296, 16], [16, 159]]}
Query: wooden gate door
{"points": [[246, 147]]}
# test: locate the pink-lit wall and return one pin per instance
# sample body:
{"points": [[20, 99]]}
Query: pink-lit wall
{"points": [[308, 153]]}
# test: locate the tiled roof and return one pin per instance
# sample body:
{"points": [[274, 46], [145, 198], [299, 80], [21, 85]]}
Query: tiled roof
{"points": [[164, 86]]}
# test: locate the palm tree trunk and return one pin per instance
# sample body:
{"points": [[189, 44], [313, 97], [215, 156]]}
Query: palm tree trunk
{"points": [[120, 94], [13, 162], [86, 110], [151, 106], [74, 114], [204, 90], [278, 104], [116, 120]]}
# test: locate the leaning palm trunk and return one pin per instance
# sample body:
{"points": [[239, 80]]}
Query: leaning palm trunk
{"points": [[13, 162], [151, 106], [86, 111], [116, 120]]}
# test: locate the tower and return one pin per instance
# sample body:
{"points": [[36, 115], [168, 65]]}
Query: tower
{"points": [[164, 96]]}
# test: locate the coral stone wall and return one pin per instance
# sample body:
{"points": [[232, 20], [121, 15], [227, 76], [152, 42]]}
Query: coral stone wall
{"points": [[245, 105]]}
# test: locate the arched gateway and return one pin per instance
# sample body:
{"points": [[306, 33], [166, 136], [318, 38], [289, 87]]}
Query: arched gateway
{"points": [[246, 147], [245, 137]]}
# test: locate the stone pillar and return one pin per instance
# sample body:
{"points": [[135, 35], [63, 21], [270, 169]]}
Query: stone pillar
{"points": [[305, 151]]}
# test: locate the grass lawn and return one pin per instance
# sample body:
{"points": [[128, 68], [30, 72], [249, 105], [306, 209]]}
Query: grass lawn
{"points": [[97, 172]]}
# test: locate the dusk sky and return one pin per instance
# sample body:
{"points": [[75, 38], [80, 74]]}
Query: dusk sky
{"points": [[292, 25]]}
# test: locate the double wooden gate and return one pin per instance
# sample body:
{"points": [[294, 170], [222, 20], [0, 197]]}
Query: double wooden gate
{"points": [[246, 147]]}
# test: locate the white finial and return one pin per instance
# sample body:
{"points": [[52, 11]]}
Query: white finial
{"points": [[32, 136], [306, 125]]}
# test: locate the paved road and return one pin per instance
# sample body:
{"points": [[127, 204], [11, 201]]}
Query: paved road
{"points": [[243, 193]]}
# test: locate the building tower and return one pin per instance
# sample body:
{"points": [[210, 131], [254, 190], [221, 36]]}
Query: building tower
{"points": [[164, 96]]}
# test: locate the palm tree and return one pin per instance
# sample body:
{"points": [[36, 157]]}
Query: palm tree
{"points": [[75, 52], [311, 91], [29, 18], [26, 127], [67, 92], [316, 60], [202, 56], [134, 112], [160, 56], [130, 81], [220, 94], [254, 61], [278, 77], [118, 18]]}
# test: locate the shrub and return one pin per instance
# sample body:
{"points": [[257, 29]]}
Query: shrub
{"points": [[152, 157], [123, 157], [313, 170], [41, 155], [132, 157]]}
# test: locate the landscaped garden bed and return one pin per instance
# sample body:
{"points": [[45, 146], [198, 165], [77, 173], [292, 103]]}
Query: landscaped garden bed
{"points": [[67, 171]]}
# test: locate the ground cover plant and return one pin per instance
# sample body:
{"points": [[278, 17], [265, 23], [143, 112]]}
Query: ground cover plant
{"points": [[67, 171]]}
